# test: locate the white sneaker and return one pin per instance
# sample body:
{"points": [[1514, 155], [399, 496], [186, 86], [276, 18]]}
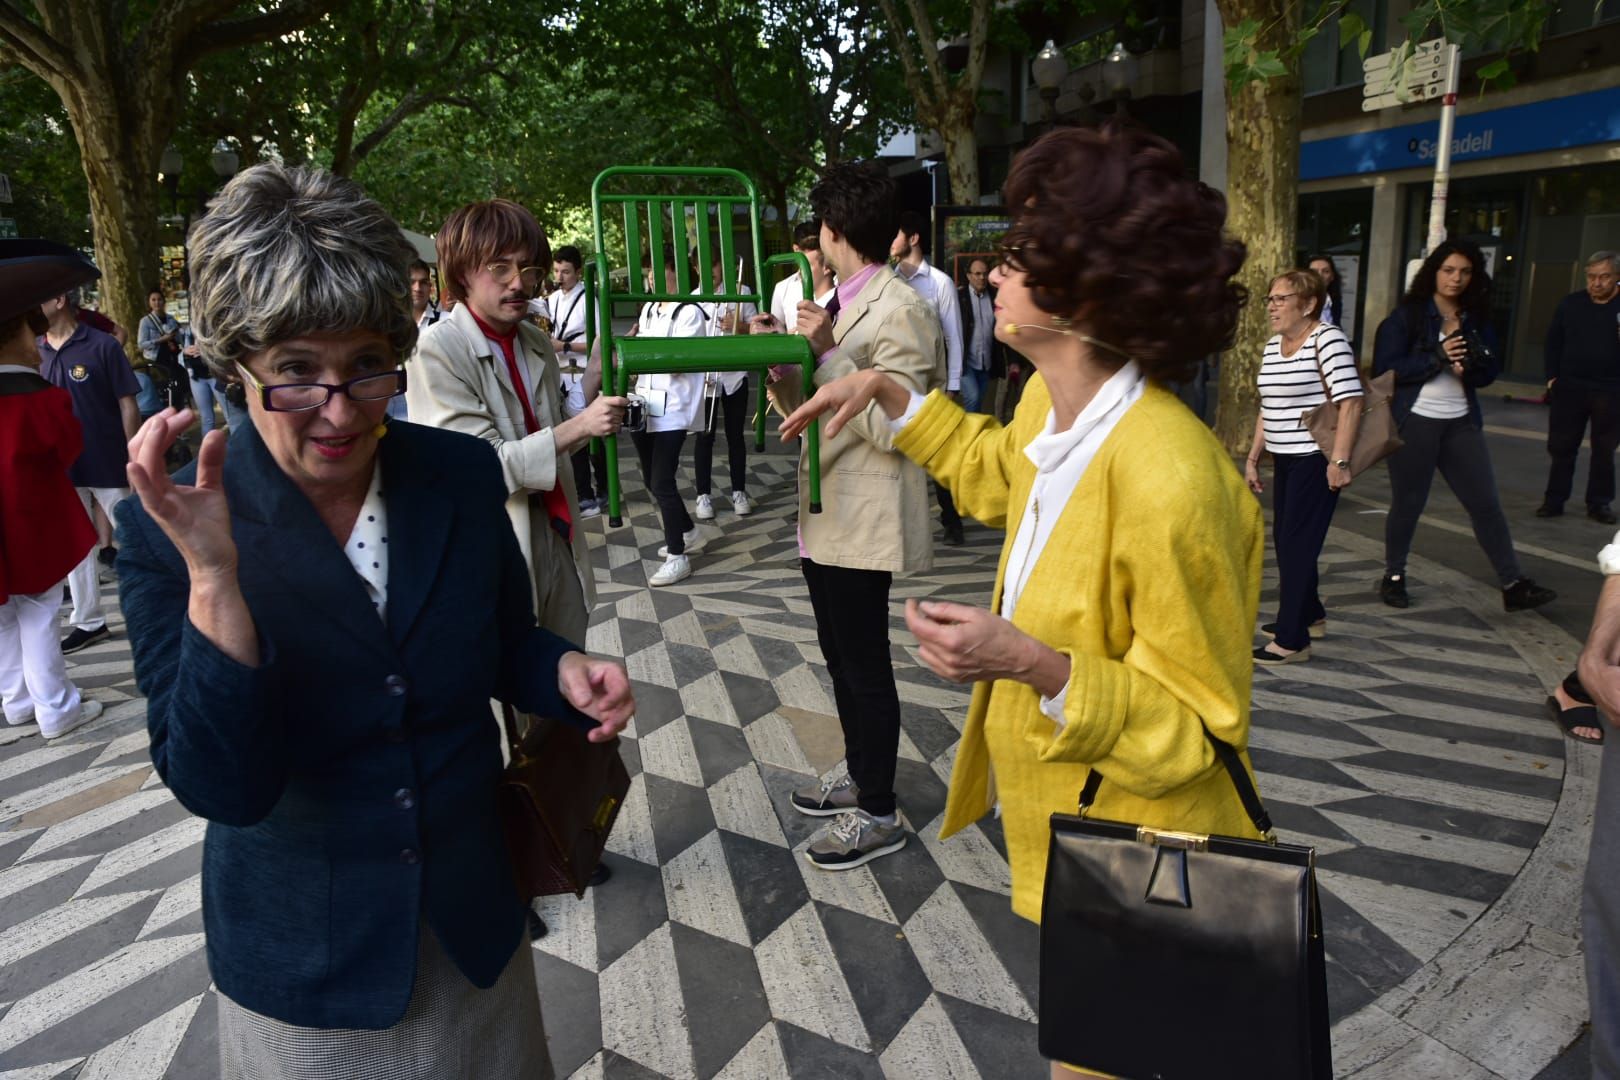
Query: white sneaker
{"points": [[740, 503], [694, 543], [590, 508], [88, 711], [705, 508], [675, 568]]}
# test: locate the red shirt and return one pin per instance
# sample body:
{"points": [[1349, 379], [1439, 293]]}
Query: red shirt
{"points": [[44, 531]]}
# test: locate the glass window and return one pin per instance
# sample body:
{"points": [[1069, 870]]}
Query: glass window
{"points": [[1570, 16], [1325, 66]]}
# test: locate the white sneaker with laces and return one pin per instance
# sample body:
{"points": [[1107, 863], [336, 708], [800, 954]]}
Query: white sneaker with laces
{"points": [[675, 568], [88, 711], [694, 543], [705, 508], [740, 503]]}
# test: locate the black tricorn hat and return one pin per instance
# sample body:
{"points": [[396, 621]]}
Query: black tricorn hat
{"points": [[32, 271]]}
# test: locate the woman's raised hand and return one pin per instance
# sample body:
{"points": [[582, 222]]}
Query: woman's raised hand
{"points": [[845, 398], [196, 517]]}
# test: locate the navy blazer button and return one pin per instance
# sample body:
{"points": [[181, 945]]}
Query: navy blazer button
{"points": [[395, 685], [405, 798], [409, 857]]}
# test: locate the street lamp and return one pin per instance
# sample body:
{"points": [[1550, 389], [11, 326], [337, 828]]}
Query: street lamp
{"points": [[1049, 69], [1117, 74], [224, 160]]}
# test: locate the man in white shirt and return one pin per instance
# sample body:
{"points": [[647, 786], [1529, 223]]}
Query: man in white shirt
{"points": [[790, 290], [565, 307], [911, 264]]}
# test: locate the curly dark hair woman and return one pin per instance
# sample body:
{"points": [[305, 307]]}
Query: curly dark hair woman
{"points": [[1122, 618], [1442, 348]]}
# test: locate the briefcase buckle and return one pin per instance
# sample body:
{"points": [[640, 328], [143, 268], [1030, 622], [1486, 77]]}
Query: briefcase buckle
{"points": [[1186, 841]]}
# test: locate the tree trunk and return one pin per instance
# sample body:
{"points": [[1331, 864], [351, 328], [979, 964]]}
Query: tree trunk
{"points": [[961, 149], [1262, 184], [120, 170]]}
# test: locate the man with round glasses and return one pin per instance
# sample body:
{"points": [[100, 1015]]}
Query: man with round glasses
{"points": [[485, 370]]}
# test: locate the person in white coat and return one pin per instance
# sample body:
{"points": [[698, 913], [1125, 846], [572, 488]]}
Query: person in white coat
{"points": [[674, 407], [725, 399]]}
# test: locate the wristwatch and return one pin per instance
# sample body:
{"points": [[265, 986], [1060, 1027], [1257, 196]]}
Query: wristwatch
{"points": [[1342, 463]]}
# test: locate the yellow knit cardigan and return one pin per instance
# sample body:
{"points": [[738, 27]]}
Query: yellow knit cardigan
{"points": [[1149, 585]]}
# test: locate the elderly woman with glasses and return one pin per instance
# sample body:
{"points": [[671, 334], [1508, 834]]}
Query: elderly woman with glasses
{"points": [[1307, 362], [319, 620], [1116, 638]]}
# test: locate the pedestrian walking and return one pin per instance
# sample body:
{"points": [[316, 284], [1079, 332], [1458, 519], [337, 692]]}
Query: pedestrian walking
{"points": [[1440, 344], [566, 310], [874, 519], [725, 402], [485, 370], [674, 405], [44, 530], [984, 358], [1332, 312], [1131, 570], [1583, 387], [93, 369], [319, 618], [1306, 364]]}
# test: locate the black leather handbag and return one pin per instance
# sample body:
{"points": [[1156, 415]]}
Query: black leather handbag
{"points": [[1173, 956]]}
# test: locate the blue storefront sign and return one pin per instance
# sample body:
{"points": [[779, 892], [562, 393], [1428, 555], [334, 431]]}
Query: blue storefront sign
{"points": [[1578, 120]]}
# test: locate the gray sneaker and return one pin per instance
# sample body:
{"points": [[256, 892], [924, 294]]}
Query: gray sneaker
{"points": [[855, 839], [824, 800]]}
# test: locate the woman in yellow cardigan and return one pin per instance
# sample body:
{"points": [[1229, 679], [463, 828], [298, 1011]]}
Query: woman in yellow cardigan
{"points": [[1125, 599]]}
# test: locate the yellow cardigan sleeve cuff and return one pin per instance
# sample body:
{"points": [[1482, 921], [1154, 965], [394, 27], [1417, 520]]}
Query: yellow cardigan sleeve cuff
{"points": [[930, 429], [1094, 713]]}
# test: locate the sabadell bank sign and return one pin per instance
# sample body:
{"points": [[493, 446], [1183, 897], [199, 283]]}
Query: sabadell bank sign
{"points": [[1579, 120]]}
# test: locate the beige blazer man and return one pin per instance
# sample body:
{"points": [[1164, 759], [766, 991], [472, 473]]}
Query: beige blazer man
{"points": [[864, 480], [457, 382]]}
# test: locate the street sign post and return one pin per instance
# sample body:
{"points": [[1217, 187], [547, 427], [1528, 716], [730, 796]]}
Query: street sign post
{"points": [[8, 228], [1427, 71]]}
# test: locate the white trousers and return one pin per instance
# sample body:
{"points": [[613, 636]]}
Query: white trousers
{"points": [[83, 583], [33, 676]]}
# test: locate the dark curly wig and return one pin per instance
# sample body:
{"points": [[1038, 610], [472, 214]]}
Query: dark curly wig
{"points": [[1114, 233], [1476, 299]]}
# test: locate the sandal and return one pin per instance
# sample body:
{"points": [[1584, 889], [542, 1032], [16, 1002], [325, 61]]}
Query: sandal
{"points": [[1578, 717]]}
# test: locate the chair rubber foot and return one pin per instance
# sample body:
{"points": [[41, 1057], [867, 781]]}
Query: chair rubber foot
{"points": [[615, 522], [815, 508]]}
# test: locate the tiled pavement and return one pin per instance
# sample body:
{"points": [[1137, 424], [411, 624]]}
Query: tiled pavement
{"points": [[1412, 752]]}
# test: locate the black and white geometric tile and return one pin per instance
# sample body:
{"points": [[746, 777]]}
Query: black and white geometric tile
{"points": [[1411, 751]]}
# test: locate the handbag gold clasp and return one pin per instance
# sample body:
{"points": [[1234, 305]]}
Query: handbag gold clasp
{"points": [[1166, 838]]}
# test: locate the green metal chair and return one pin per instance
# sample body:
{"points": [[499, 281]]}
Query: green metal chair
{"points": [[658, 218]]}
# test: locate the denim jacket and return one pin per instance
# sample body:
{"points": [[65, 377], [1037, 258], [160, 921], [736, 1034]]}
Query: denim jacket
{"points": [[1415, 358]]}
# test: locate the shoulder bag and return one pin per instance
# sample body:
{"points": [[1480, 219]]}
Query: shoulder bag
{"points": [[558, 797], [1377, 436], [1180, 955]]}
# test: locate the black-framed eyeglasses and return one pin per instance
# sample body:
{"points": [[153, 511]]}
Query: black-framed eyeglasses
{"points": [[302, 397]]}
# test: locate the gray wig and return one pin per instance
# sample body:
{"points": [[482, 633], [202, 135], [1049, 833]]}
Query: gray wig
{"points": [[285, 252]]}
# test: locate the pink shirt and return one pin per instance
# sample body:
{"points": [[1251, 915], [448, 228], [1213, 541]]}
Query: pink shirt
{"points": [[847, 291]]}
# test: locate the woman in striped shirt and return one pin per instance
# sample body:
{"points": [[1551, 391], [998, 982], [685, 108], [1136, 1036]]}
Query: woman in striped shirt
{"points": [[1305, 363]]}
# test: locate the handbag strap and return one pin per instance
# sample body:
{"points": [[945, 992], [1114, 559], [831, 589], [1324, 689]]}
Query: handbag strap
{"points": [[1316, 361], [1234, 768]]}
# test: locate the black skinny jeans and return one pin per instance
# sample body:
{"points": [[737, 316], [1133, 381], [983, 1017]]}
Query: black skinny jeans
{"points": [[660, 454], [1456, 448], [734, 408], [852, 627]]}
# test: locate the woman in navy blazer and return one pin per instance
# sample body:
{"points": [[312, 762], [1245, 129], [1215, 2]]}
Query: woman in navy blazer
{"points": [[319, 620]]}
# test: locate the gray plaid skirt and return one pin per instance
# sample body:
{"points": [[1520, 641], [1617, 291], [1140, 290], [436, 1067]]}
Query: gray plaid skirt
{"points": [[450, 1029]]}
